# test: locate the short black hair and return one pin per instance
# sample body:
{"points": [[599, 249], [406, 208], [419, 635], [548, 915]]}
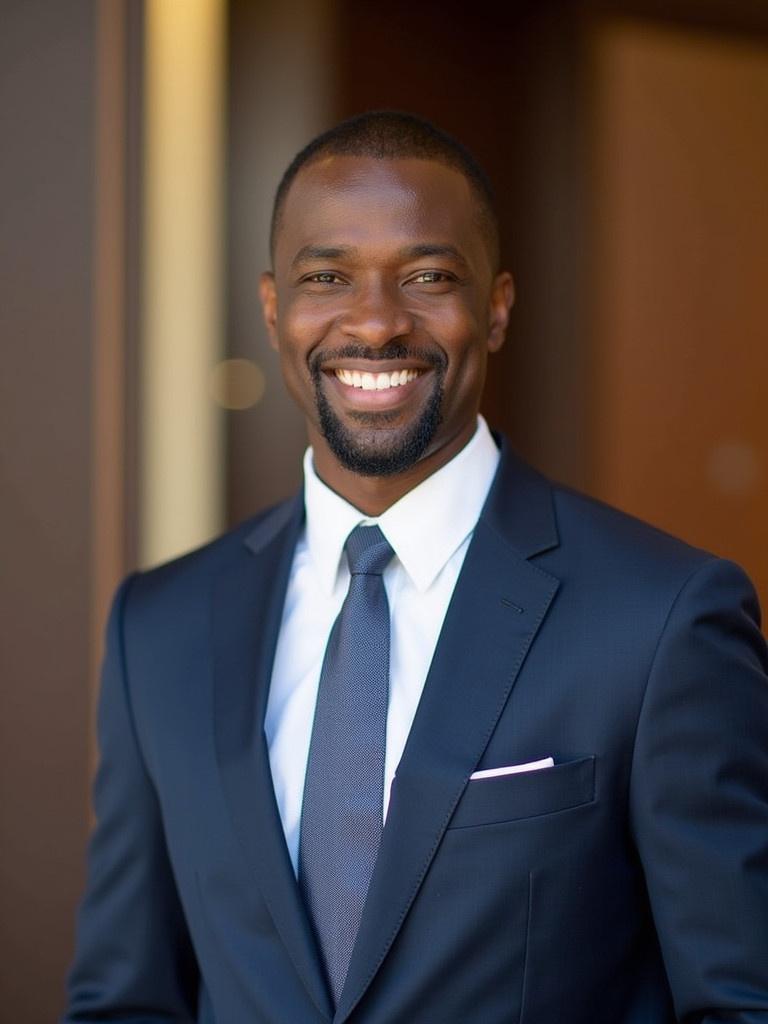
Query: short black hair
{"points": [[393, 135]]}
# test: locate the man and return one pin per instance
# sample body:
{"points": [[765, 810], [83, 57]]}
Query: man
{"points": [[559, 714]]}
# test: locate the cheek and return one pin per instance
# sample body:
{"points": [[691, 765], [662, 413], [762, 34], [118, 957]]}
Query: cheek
{"points": [[299, 333], [455, 323], [469, 375], [461, 336], [467, 349], [305, 324], [297, 381]]}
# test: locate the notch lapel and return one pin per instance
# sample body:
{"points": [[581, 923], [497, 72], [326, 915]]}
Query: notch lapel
{"points": [[499, 603], [247, 610]]}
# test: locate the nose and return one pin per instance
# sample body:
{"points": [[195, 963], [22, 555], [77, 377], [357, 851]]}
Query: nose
{"points": [[376, 315]]}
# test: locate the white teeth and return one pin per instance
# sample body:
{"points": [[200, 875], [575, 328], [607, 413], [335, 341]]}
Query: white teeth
{"points": [[376, 381]]}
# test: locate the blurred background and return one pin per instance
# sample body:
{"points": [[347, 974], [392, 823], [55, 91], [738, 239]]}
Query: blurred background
{"points": [[141, 409]]}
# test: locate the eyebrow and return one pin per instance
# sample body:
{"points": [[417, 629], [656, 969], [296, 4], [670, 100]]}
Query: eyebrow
{"points": [[416, 252], [309, 253], [312, 253]]}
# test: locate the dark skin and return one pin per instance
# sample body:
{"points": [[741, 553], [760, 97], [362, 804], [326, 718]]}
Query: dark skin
{"points": [[384, 257]]}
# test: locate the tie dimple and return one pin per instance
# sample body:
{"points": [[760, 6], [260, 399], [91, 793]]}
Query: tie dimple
{"points": [[368, 551]]}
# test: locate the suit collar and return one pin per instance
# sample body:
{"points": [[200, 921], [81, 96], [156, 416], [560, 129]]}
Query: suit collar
{"points": [[519, 506], [280, 524]]}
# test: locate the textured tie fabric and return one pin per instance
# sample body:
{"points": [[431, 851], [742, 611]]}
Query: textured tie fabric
{"points": [[341, 819]]}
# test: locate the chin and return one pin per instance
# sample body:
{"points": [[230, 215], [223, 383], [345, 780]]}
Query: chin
{"points": [[366, 450]]}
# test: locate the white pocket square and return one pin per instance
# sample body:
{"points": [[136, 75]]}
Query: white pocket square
{"points": [[514, 769]]}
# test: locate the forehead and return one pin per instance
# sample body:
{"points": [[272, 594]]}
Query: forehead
{"points": [[366, 202]]}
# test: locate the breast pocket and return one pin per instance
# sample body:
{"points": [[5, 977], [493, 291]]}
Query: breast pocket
{"points": [[526, 795]]}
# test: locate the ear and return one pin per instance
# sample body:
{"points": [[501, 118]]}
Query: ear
{"points": [[501, 302], [268, 296]]}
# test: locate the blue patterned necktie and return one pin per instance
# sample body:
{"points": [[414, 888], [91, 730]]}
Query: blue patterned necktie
{"points": [[341, 818]]}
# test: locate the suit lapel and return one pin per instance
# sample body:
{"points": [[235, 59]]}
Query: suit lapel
{"points": [[247, 609], [497, 607]]}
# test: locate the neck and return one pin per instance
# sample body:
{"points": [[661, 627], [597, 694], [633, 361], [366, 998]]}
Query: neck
{"points": [[373, 495]]}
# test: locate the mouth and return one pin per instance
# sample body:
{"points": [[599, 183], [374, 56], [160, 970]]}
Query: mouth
{"points": [[364, 380], [363, 390]]}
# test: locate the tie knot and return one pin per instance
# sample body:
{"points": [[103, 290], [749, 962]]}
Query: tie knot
{"points": [[368, 551]]}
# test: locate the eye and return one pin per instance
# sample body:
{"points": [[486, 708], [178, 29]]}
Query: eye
{"points": [[322, 277], [431, 277]]}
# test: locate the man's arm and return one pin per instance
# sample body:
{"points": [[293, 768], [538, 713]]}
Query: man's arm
{"points": [[134, 961], [699, 799]]}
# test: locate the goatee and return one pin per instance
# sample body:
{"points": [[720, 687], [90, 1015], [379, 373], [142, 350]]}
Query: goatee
{"points": [[374, 450]]}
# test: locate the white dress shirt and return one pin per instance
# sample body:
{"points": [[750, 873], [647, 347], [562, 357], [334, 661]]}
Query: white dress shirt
{"points": [[429, 530]]}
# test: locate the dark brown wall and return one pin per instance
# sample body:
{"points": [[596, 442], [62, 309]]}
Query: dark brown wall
{"points": [[46, 182], [679, 427]]}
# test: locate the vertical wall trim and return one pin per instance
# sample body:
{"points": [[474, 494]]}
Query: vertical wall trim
{"points": [[108, 402], [181, 427]]}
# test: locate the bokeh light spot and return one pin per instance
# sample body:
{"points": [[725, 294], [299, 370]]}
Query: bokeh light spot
{"points": [[237, 383], [734, 468]]}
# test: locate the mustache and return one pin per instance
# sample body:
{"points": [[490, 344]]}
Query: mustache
{"points": [[393, 350]]}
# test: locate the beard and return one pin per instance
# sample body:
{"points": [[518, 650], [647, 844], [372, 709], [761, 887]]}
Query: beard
{"points": [[373, 449]]}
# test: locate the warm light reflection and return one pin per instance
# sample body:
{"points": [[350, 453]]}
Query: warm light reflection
{"points": [[182, 430]]}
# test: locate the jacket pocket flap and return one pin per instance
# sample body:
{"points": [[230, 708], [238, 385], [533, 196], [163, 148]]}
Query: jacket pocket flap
{"points": [[526, 795]]}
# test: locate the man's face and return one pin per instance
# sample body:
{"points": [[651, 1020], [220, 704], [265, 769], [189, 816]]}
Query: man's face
{"points": [[383, 307]]}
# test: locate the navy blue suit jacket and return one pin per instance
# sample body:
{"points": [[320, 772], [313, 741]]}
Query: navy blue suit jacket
{"points": [[626, 885]]}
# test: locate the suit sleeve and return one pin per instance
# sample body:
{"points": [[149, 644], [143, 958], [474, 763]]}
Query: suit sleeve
{"points": [[133, 961], [699, 799]]}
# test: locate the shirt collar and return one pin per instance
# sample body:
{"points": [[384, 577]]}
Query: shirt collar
{"points": [[425, 527]]}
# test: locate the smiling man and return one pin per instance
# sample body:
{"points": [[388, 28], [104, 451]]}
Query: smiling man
{"points": [[437, 741], [390, 299]]}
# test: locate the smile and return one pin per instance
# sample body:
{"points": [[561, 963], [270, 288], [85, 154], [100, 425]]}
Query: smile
{"points": [[376, 381]]}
